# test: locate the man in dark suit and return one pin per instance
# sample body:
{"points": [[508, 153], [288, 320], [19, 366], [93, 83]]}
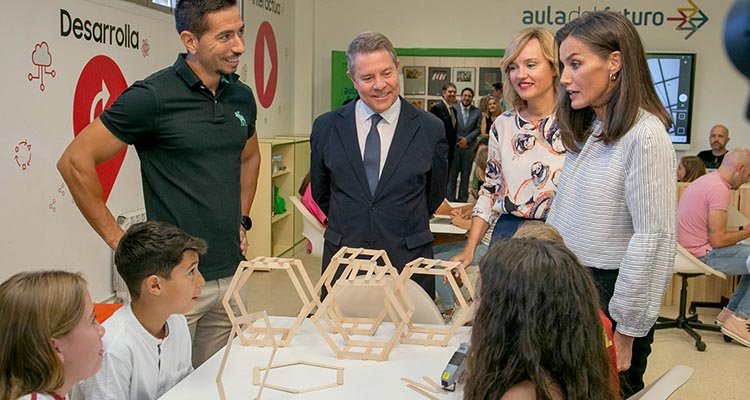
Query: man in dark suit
{"points": [[378, 165], [444, 110], [468, 120]]}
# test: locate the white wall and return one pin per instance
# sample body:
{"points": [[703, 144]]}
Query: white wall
{"points": [[721, 93], [277, 119], [43, 228]]}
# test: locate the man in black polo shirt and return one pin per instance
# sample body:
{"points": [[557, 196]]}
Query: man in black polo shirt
{"points": [[193, 126], [718, 138]]}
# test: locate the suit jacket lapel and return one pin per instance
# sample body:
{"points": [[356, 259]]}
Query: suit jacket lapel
{"points": [[406, 127], [346, 127]]}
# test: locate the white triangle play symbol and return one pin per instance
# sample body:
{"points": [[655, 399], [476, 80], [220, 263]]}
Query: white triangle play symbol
{"points": [[267, 65]]}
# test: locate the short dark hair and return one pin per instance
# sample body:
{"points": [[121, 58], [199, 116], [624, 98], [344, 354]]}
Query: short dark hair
{"points": [[469, 89], [446, 86], [190, 15], [498, 86], [152, 248]]}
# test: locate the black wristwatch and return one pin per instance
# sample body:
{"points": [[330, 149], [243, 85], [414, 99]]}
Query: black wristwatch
{"points": [[246, 222]]}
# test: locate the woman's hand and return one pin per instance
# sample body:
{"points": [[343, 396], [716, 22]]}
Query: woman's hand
{"points": [[464, 257], [624, 350]]}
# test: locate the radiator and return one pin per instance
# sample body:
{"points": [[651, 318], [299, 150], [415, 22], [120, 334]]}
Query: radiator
{"points": [[125, 220]]}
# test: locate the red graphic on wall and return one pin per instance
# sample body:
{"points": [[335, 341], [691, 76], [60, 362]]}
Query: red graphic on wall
{"points": [[100, 83], [265, 51], [23, 154], [42, 59]]}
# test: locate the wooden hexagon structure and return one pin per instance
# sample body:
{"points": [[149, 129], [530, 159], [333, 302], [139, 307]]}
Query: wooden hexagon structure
{"points": [[248, 319], [365, 270], [251, 335], [347, 256], [436, 335], [339, 377]]}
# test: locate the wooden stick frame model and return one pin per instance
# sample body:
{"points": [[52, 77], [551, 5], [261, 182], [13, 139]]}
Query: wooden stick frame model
{"points": [[339, 377], [439, 335], [362, 270], [252, 335], [360, 261], [248, 320]]}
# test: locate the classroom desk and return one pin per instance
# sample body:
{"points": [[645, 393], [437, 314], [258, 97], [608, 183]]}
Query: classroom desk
{"points": [[362, 379], [444, 231], [443, 225]]}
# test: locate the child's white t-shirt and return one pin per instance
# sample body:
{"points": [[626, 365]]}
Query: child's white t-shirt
{"points": [[136, 365]]}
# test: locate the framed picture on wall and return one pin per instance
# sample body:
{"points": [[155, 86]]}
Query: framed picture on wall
{"points": [[487, 77], [463, 77], [438, 76], [432, 102], [414, 81], [416, 101]]}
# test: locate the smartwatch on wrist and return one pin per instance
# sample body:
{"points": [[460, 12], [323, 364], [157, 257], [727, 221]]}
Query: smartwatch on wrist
{"points": [[246, 222]]}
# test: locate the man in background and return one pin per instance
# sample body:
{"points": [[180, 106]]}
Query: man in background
{"points": [[718, 138], [702, 230], [445, 111], [497, 93], [468, 119], [193, 126], [497, 90], [378, 165]]}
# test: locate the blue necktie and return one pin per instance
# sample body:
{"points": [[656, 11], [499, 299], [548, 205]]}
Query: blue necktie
{"points": [[466, 115], [372, 153]]}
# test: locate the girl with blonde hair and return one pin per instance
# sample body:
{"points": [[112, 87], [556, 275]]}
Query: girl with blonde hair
{"points": [[50, 339]]}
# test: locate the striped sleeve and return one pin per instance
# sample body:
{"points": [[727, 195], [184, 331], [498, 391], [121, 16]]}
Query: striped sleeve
{"points": [[647, 264]]}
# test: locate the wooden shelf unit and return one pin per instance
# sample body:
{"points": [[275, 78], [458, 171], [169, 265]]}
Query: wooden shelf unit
{"points": [[276, 235]]}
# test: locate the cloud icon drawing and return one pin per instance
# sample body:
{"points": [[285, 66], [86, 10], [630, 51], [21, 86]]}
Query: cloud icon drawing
{"points": [[41, 55]]}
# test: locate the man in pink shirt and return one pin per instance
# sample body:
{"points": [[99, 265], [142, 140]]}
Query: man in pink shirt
{"points": [[702, 230]]}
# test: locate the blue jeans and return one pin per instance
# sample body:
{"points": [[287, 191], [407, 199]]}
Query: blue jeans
{"points": [[506, 227], [445, 252], [732, 260]]}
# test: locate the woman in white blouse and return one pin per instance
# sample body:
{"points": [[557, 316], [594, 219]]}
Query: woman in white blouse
{"points": [[525, 153], [615, 203]]}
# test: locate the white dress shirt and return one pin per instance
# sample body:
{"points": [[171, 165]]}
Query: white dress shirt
{"points": [[386, 127]]}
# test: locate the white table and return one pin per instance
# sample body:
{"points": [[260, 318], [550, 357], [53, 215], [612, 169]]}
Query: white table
{"points": [[442, 223], [362, 379]]}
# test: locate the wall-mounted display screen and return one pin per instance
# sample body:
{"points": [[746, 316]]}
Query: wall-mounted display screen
{"points": [[672, 74]]}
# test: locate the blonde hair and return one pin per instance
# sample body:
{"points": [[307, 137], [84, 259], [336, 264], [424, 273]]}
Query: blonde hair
{"points": [[539, 230], [484, 104], [36, 307], [515, 47]]}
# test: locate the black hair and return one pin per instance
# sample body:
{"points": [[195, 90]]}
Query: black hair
{"points": [[190, 15], [468, 89], [152, 248]]}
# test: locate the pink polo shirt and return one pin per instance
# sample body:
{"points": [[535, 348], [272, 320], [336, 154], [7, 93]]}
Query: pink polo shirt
{"points": [[709, 192]]}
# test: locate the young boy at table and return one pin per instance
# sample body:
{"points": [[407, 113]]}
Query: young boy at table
{"points": [[147, 342]]}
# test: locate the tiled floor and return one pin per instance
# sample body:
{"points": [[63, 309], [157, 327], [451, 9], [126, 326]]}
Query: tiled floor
{"points": [[721, 372]]}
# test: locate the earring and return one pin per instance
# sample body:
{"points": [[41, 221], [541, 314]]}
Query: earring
{"points": [[612, 77]]}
